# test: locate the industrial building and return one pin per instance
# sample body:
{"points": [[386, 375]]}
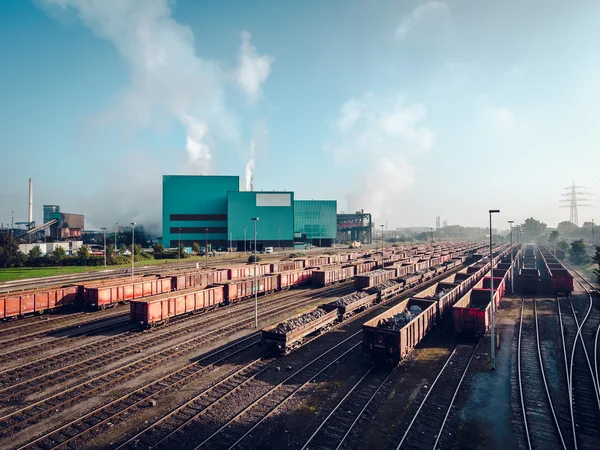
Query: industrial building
{"points": [[216, 211], [62, 225], [356, 227]]}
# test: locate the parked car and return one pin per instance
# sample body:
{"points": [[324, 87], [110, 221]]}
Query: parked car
{"points": [[268, 249]]}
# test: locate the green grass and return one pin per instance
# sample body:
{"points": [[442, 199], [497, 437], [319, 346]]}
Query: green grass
{"points": [[38, 272]]}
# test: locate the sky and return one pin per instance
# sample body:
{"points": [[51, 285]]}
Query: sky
{"points": [[406, 109]]}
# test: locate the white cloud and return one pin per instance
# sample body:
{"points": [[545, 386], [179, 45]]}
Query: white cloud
{"points": [[500, 116], [516, 70], [169, 81], [433, 11], [253, 69], [379, 136]]}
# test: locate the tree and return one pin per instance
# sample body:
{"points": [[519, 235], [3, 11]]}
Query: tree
{"points": [[35, 252], [532, 227], [110, 251], [577, 252], [597, 261], [553, 238], [122, 249], [251, 259], [196, 248], [567, 228], [563, 245], [59, 254], [9, 251], [83, 254], [159, 250]]}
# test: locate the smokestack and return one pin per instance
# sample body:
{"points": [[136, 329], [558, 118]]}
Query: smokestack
{"points": [[30, 200]]}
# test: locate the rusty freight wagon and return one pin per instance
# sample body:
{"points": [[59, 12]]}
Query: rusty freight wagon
{"points": [[471, 315], [371, 279], [100, 297], [159, 309], [390, 336], [411, 280], [289, 334], [350, 304], [17, 304], [387, 289], [561, 280], [364, 267], [325, 277], [445, 293], [283, 266], [529, 280], [239, 289], [195, 278], [293, 278]]}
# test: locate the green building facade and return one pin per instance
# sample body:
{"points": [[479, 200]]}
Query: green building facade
{"points": [[315, 221]]}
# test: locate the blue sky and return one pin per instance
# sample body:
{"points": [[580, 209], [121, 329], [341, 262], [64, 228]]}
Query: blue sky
{"points": [[408, 109]]}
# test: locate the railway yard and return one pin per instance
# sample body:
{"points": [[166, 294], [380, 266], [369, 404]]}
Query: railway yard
{"points": [[354, 350]]}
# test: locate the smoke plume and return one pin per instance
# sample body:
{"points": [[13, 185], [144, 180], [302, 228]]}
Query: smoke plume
{"points": [[250, 168]]}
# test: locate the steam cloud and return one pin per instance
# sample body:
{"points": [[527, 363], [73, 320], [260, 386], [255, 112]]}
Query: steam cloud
{"points": [[250, 168]]}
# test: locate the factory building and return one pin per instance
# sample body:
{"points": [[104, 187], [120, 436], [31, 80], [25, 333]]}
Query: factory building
{"points": [[62, 225], [215, 211]]}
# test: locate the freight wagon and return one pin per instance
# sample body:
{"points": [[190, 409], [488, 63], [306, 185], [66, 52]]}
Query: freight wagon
{"points": [[561, 281], [471, 315], [18, 304], [294, 278], [152, 311], [283, 266], [351, 304], [364, 267], [289, 334], [529, 280], [444, 293], [103, 296], [325, 277], [196, 278], [388, 345], [236, 290], [368, 280]]}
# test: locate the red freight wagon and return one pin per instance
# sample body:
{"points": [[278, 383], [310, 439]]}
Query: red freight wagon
{"points": [[388, 346], [499, 285], [472, 313], [561, 280], [28, 302], [107, 295], [239, 289], [158, 309], [368, 280], [364, 267], [240, 272], [325, 277], [293, 278], [283, 266]]}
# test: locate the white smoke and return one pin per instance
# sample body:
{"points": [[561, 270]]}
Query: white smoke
{"points": [[250, 168], [168, 80]]}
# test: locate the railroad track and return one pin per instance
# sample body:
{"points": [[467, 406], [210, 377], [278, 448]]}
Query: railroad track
{"points": [[335, 428], [541, 425], [27, 415], [428, 422], [580, 318], [33, 323], [28, 378]]}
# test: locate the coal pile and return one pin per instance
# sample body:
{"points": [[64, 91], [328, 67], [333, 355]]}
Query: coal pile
{"points": [[375, 272], [380, 287], [398, 321], [296, 322], [438, 295], [351, 298]]}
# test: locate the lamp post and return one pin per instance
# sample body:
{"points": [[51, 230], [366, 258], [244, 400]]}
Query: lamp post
{"points": [[382, 245], [593, 236], [116, 236], [104, 232], [132, 248], [179, 244], [206, 248], [512, 269], [255, 219], [245, 251], [279, 238], [493, 306]]}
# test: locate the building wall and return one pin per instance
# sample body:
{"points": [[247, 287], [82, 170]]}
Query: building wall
{"points": [[275, 211], [316, 219], [196, 203]]}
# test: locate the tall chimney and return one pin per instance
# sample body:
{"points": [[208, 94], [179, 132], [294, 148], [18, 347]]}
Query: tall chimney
{"points": [[30, 200]]}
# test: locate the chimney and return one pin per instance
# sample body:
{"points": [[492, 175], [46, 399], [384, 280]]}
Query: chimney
{"points": [[30, 200]]}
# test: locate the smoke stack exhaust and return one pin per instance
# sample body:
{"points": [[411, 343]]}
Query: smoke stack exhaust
{"points": [[30, 200]]}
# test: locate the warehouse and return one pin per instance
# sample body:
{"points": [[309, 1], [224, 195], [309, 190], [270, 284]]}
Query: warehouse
{"points": [[215, 211]]}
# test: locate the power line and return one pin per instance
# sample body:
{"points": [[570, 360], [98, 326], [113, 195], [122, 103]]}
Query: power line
{"points": [[575, 198]]}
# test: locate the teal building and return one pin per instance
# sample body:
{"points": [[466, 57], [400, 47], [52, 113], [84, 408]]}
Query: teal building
{"points": [[216, 210]]}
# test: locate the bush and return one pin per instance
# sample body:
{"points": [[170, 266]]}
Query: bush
{"points": [[297, 255], [251, 259]]}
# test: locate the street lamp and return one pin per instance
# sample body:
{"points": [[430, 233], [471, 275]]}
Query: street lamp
{"points": [[382, 254], [116, 236], [104, 232], [593, 236], [206, 248], [512, 284], [255, 219], [179, 244], [279, 238], [132, 248], [245, 251], [493, 306]]}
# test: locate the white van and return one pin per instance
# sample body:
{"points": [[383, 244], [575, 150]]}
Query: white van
{"points": [[268, 249]]}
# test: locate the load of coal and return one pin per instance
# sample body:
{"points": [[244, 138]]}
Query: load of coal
{"points": [[350, 298], [375, 272], [380, 287], [296, 322], [397, 321], [438, 295]]}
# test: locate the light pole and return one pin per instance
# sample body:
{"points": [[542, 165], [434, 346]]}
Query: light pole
{"points": [[382, 254], [132, 248], [279, 238], [206, 248], [245, 251], [116, 237], [104, 232], [179, 244], [255, 219], [593, 236], [493, 306], [512, 269]]}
